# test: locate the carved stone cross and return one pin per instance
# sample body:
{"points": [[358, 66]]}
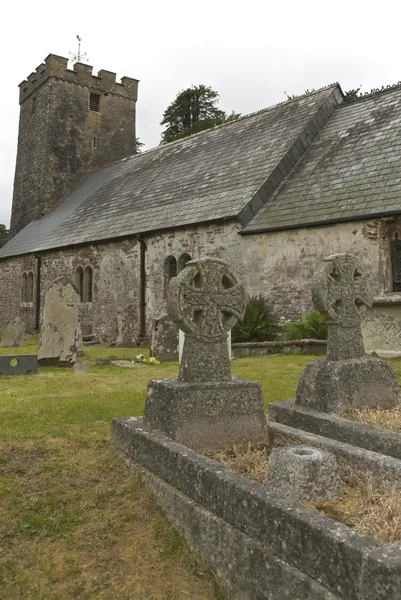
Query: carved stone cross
{"points": [[205, 301], [341, 292]]}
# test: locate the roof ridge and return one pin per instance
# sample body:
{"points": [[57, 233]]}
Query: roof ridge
{"points": [[374, 92], [311, 92]]}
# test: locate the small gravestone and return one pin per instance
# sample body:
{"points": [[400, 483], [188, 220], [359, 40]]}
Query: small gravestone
{"points": [[59, 337], [127, 327], [13, 333], [347, 377], [80, 367], [303, 473], [164, 339], [205, 408]]}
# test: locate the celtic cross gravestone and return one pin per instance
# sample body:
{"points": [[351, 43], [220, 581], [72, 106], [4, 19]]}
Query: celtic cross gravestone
{"points": [[205, 408], [206, 302], [341, 291]]}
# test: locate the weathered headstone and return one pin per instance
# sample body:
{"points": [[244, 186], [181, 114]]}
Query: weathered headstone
{"points": [[303, 473], [13, 333], [127, 326], [164, 345], [347, 376], [205, 408], [60, 333]]}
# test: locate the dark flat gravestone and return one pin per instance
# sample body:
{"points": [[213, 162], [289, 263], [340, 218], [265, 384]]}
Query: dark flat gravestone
{"points": [[18, 364]]}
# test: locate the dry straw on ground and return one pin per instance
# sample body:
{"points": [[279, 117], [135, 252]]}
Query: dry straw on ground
{"points": [[368, 510], [385, 419]]}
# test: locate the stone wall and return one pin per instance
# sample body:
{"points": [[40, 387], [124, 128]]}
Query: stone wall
{"points": [[279, 265], [60, 140]]}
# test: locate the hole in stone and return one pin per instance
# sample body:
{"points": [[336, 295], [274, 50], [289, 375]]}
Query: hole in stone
{"points": [[337, 305], [13, 362], [197, 281], [303, 452], [227, 282], [197, 317], [357, 274], [335, 274], [225, 317]]}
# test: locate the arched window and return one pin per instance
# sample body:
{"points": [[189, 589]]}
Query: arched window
{"points": [[396, 262], [29, 287], [87, 285], [170, 268], [79, 282], [24, 287], [182, 261]]}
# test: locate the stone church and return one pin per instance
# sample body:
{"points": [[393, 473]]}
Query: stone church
{"points": [[272, 193]]}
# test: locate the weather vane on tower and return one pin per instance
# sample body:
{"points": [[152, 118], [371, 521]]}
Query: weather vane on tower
{"points": [[78, 57]]}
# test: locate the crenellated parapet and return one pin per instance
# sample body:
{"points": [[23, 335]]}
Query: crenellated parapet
{"points": [[81, 74]]}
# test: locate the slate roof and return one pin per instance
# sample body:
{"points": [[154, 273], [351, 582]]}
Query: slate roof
{"points": [[208, 176], [352, 169]]}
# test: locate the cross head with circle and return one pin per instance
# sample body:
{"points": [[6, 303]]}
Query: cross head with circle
{"points": [[205, 300], [342, 291]]}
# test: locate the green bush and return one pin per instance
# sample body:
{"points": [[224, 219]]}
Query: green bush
{"points": [[312, 326], [256, 324]]}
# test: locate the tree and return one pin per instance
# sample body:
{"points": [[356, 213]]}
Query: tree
{"points": [[139, 145], [3, 235], [194, 109]]}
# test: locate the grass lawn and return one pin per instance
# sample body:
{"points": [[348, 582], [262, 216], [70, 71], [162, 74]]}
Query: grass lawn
{"points": [[74, 523]]}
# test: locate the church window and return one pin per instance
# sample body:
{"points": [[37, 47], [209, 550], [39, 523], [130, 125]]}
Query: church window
{"points": [[24, 287], [29, 287], [94, 143], [395, 247], [79, 282], [94, 102], [182, 261], [87, 285], [170, 267]]}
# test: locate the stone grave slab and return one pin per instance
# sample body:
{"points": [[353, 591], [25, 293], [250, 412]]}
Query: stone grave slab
{"points": [[341, 291], [205, 407], [164, 345], [60, 336], [13, 333], [18, 364]]}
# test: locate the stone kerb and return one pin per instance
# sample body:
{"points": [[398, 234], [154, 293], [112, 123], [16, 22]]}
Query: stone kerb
{"points": [[205, 408], [60, 335], [341, 291], [326, 559]]}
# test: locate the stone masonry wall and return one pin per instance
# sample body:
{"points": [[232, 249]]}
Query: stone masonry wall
{"points": [[115, 283], [279, 265], [60, 140]]}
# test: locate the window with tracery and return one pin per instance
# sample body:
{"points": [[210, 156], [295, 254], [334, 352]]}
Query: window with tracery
{"points": [[84, 283], [182, 261], [170, 268], [395, 247], [27, 287]]}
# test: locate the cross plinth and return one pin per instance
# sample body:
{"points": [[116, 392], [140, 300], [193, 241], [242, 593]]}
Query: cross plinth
{"points": [[205, 301], [342, 293]]}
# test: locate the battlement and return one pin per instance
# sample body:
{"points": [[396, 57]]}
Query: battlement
{"points": [[81, 74]]}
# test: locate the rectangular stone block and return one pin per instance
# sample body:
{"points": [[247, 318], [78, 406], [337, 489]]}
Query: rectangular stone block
{"points": [[207, 415], [337, 428], [18, 364]]}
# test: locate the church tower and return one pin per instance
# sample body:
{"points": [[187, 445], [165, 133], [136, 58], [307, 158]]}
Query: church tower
{"points": [[71, 123]]}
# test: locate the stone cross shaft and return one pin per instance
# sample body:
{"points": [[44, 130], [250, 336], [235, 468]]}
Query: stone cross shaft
{"points": [[205, 301], [341, 292]]}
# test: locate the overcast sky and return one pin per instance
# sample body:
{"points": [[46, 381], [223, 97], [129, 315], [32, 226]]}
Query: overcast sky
{"points": [[250, 52]]}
